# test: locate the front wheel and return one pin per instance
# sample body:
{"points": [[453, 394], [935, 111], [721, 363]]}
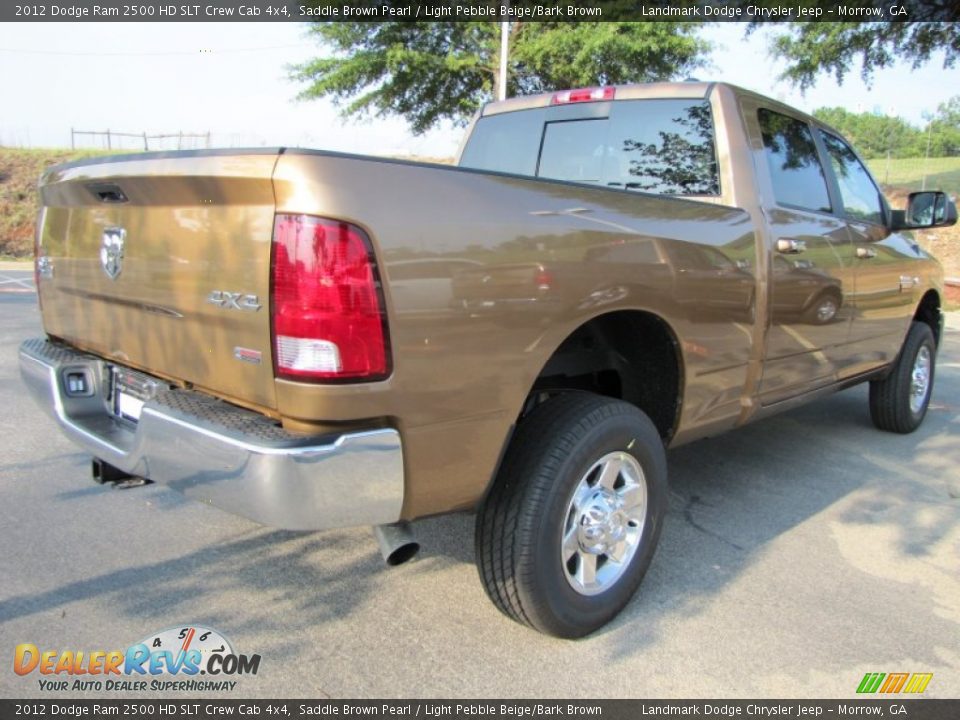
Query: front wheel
{"points": [[571, 524], [899, 402], [823, 309]]}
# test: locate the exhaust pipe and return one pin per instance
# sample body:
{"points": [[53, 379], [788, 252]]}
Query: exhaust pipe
{"points": [[397, 544]]}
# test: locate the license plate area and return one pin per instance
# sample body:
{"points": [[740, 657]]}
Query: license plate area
{"points": [[129, 391]]}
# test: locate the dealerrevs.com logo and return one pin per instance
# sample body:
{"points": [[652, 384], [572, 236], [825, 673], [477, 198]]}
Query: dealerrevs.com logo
{"points": [[167, 661]]}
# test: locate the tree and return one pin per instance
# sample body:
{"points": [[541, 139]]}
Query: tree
{"points": [[430, 71], [874, 134], [943, 131], [814, 47]]}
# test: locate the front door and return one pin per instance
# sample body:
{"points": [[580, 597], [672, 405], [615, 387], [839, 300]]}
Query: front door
{"points": [[886, 286]]}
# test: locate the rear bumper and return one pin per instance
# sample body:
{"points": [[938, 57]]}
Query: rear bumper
{"points": [[217, 453]]}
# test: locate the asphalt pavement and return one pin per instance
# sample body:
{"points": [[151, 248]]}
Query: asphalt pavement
{"points": [[798, 554]]}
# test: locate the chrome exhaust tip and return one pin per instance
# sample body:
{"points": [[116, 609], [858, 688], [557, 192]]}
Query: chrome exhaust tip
{"points": [[397, 544]]}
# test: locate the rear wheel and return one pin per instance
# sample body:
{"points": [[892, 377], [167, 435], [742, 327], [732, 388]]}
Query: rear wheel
{"points": [[572, 521], [899, 402]]}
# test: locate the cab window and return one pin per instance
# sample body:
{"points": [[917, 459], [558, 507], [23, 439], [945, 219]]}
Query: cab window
{"points": [[662, 146], [861, 198], [794, 164]]}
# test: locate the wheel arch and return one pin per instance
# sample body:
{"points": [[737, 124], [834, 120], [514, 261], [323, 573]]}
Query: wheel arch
{"points": [[929, 312], [631, 355]]}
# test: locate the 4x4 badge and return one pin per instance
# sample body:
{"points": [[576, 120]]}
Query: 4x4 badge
{"points": [[111, 251], [234, 300]]}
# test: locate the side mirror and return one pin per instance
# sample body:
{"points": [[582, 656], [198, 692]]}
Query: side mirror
{"points": [[927, 209]]}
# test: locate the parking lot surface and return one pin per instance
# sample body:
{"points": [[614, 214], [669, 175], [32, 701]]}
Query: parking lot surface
{"points": [[798, 554]]}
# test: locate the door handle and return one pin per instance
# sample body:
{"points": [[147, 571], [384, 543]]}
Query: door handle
{"points": [[789, 246], [866, 253]]}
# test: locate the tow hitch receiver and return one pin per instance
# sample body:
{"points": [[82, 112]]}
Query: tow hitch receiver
{"points": [[104, 472]]}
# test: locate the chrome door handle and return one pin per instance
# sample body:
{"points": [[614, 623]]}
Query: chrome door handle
{"points": [[789, 246], [866, 253]]}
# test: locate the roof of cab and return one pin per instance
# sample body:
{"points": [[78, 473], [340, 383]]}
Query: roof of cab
{"points": [[689, 89]]}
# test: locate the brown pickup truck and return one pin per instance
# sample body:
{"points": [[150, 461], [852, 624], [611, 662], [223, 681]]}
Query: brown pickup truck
{"points": [[316, 340]]}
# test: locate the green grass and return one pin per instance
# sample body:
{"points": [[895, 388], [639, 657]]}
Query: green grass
{"points": [[941, 173]]}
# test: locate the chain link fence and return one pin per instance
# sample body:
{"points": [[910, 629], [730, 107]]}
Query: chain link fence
{"points": [[113, 140]]}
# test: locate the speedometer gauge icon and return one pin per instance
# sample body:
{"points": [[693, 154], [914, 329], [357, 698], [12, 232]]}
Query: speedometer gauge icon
{"points": [[183, 639]]}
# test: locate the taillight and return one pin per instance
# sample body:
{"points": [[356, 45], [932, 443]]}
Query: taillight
{"points": [[39, 256], [583, 95], [329, 319], [543, 279]]}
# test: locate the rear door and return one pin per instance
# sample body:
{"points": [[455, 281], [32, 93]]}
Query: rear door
{"points": [[162, 263]]}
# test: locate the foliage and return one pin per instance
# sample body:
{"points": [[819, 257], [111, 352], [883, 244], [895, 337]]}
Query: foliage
{"points": [[814, 47], [431, 71], [874, 134], [945, 129]]}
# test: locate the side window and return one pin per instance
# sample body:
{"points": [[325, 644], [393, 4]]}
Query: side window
{"points": [[861, 198], [795, 170]]}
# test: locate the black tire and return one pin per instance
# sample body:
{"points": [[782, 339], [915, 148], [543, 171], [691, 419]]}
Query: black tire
{"points": [[890, 398], [520, 525]]}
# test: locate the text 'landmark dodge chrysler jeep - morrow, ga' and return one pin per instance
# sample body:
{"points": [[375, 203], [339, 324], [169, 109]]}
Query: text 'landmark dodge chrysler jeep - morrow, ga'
{"points": [[316, 340]]}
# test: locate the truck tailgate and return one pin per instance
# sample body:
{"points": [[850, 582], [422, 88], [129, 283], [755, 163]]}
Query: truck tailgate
{"points": [[162, 262]]}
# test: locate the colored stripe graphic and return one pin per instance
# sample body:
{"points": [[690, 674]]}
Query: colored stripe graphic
{"points": [[894, 683], [918, 682], [870, 682]]}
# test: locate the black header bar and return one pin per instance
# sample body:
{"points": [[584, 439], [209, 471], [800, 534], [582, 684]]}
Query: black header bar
{"points": [[481, 10]]}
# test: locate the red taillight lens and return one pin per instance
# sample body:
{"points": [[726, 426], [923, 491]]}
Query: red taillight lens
{"points": [[39, 256], [329, 320], [583, 95], [543, 279]]}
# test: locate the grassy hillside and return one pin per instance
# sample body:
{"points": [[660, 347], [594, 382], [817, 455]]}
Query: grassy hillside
{"points": [[19, 171], [908, 173]]}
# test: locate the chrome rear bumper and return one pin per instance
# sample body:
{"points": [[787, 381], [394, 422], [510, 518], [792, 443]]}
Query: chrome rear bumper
{"points": [[214, 452]]}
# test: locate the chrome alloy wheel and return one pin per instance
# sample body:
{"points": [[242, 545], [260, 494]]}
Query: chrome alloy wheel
{"points": [[920, 379], [604, 523]]}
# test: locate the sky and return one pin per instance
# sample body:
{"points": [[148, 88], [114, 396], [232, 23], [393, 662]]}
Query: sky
{"points": [[231, 79]]}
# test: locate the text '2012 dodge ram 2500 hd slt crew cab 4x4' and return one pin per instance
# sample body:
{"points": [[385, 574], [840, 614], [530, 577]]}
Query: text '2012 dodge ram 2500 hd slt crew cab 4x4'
{"points": [[316, 340]]}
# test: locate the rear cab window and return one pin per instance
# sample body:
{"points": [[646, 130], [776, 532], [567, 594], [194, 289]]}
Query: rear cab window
{"points": [[660, 146]]}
